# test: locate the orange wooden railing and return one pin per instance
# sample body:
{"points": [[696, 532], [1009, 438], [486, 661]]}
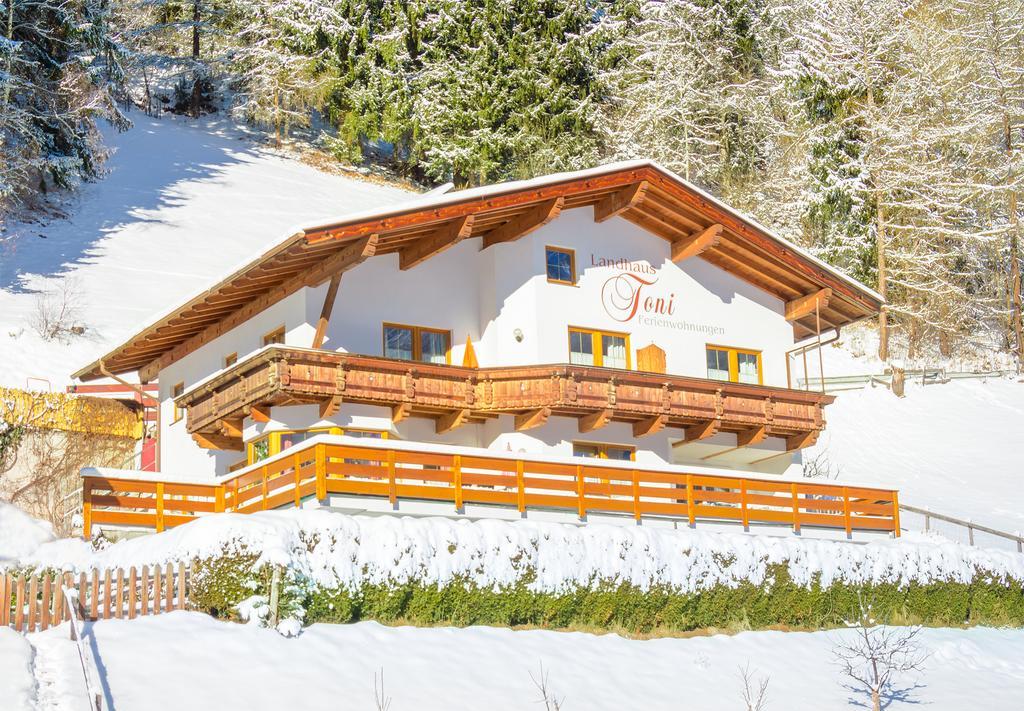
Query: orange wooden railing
{"points": [[36, 601], [403, 473]]}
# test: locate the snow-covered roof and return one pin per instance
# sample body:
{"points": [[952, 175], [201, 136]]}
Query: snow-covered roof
{"points": [[661, 202]]}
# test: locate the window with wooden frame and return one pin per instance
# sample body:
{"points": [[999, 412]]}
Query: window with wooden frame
{"points": [[600, 450], [604, 349], [176, 392], [561, 265], [230, 359], [428, 345], [276, 442], [275, 336], [735, 365]]}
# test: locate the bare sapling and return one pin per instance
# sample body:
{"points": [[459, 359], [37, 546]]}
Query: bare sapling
{"points": [[876, 655], [381, 700], [57, 312], [547, 695], [755, 689]]}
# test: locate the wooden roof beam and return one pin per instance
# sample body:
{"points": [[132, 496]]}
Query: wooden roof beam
{"points": [[400, 412], [746, 438], [448, 234], [523, 224], [348, 257], [450, 420], [330, 406], [532, 418], [696, 243], [216, 441], [595, 420], [699, 431], [807, 305], [620, 201], [649, 426], [259, 414]]}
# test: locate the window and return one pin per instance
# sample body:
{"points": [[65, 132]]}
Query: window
{"points": [[277, 442], [561, 265], [735, 365], [176, 392], [429, 345], [603, 451], [600, 348], [230, 359], [275, 336]]}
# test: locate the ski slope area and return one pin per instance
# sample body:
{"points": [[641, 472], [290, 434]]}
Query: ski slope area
{"points": [[182, 203], [443, 668], [956, 448]]}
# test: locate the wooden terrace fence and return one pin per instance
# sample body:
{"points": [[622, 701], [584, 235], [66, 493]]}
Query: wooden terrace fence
{"points": [[319, 468], [36, 601]]}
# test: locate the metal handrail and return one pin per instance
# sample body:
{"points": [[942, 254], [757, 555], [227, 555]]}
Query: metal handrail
{"points": [[969, 525]]}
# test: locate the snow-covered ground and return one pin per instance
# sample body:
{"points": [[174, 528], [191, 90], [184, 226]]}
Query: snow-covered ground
{"points": [[192, 661], [956, 448], [182, 203]]}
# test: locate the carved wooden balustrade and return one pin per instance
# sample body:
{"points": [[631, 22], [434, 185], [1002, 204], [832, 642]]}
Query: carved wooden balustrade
{"points": [[455, 395]]}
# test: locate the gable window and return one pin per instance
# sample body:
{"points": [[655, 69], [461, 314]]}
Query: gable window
{"points": [[600, 348], [429, 345], [176, 392], [735, 365], [561, 265], [275, 336]]}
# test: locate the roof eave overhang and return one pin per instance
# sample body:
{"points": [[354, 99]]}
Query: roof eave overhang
{"points": [[434, 209]]}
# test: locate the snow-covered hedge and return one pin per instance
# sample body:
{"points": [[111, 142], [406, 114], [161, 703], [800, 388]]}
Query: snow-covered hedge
{"points": [[343, 568]]}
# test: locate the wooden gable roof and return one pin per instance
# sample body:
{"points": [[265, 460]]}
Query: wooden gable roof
{"points": [[639, 191]]}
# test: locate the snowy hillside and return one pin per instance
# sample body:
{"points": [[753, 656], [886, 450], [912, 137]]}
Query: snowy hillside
{"points": [[334, 666], [183, 203], [956, 448]]}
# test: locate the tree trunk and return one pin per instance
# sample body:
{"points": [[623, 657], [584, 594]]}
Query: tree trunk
{"points": [[876, 701], [883, 320], [196, 16], [10, 58], [1015, 296]]}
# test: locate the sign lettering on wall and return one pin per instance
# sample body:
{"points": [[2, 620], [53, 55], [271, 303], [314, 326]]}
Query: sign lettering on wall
{"points": [[634, 295]]}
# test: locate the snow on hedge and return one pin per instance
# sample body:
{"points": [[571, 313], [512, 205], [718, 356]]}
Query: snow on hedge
{"points": [[336, 550], [20, 533]]}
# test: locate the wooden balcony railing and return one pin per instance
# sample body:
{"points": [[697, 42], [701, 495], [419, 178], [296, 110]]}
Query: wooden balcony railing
{"points": [[401, 472], [454, 395]]}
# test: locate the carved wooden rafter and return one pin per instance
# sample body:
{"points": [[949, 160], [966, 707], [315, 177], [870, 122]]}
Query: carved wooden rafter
{"points": [[532, 418], [448, 234], [808, 304], [649, 426], [451, 420], [524, 224], [620, 201], [696, 243], [595, 420]]}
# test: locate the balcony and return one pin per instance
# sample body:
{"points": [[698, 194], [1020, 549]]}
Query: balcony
{"points": [[455, 395], [362, 472]]}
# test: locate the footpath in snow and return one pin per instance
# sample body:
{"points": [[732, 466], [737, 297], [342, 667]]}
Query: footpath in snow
{"points": [[182, 203], [955, 448]]}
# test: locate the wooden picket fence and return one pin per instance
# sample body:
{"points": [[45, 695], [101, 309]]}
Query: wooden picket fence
{"points": [[35, 602]]}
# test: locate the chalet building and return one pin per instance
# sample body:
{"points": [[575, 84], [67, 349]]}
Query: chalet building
{"points": [[616, 314]]}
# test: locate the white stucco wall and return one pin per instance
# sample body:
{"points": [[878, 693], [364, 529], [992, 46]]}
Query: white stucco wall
{"points": [[489, 294]]}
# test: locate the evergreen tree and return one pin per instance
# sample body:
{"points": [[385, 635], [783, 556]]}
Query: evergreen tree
{"points": [[59, 74]]}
